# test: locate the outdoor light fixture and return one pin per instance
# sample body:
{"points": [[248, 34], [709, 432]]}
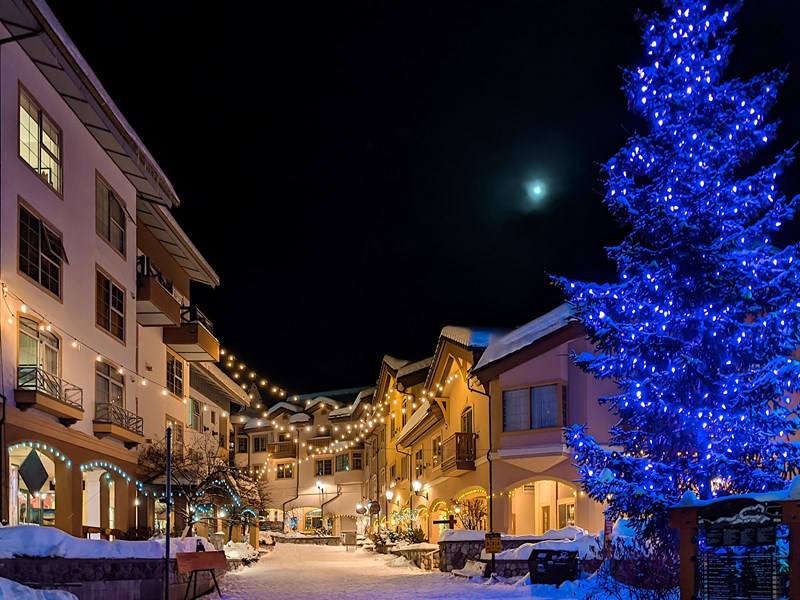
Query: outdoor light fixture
{"points": [[416, 485], [389, 494]]}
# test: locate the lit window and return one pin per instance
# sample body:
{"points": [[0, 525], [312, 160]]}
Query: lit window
{"points": [[343, 462], [110, 307], [284, 471], [39, 141], [195, 417], [323, 467], [109, 385]]}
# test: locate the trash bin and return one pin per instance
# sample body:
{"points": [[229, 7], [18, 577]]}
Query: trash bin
{"points": [[553, 566]]}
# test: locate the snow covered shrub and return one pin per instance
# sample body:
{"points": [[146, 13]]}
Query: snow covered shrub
{"points": [[414, 536], [638, 569]]}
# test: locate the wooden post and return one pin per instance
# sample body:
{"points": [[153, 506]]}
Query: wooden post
{"points": [[790, 511], [685, 520]]}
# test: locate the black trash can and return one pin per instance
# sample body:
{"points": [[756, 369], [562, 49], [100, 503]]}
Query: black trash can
{"points": [[553, 566]]}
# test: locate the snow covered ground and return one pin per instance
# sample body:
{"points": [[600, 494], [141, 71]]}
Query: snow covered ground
{"points": [[294, 571]]}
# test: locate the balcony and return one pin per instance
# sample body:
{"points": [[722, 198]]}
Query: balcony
{"points": [[282, 450], [36, 388], [318, 444], [155, 304], [194, 339], [458, 454], [114, 421]]}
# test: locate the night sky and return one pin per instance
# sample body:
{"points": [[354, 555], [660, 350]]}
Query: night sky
{"points": [[355, 172]]}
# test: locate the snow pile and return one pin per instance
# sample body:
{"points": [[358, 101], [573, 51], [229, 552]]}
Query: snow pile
{"points": [[32, 540], [399, 561], [421, 546], [467, 535], [16, 591], [240, 551], [289, 533], [586, 545], [264, 537]]}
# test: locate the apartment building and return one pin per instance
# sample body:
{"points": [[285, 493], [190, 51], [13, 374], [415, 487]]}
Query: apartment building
{"points": [[311, 451], [475, 432], [98, 333]]}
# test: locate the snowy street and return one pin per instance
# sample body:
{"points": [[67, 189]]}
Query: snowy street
{"points": [[330, 573]]}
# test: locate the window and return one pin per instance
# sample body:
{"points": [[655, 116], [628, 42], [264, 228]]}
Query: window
{"points": [[393, 473], [419, 463], [343, 462], [109, 216], [466, 420], [38, 348], [177, 435], [284, 471], [260, 443], [195, 418], [39, 141], [41, 252], [110, 307], [175, 375], [357, 461], [323, 467], [437, 451], [285, 437], [404, 413], [241, 445], [404, 467], [213, 417], [109, 385], [313, 523], [531, 408]]}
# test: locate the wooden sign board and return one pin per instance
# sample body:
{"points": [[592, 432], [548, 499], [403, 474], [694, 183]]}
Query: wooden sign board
{"points": [[493, 543], [201, 561]]}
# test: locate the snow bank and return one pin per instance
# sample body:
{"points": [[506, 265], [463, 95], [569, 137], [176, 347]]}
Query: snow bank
{"points": [[32, 540], [240, 551], [16, 591], [424, 546], [289, 533], [264, 537], [792, 492], [466, 535], [586, 546]]}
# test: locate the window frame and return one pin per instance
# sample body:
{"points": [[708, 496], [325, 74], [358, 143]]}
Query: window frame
{"points": [[111, 194], [436, 449], [419, 463], [44, 228], [327, 467], [561, 403], [281, 470], [468, 411], [343, 462], [118, 381], [172, 388], [260, 443], [178, 432], [357, 456], [99, 271], [41, 344], [41, 115], [239, 440]]}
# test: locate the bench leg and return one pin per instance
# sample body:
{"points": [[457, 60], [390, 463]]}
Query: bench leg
{"points": [[216, 585], [194, 593], [188, 584]]}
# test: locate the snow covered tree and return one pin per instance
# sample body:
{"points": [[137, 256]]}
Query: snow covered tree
{"points": [[700, 330]]}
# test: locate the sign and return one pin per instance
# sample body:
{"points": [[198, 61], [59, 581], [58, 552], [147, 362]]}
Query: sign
{"points": [[493, 543], [741, 547]]}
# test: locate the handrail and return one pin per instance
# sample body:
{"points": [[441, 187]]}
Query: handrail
{"points": [[192, 314], [106, 412], [282, 448], [146, 268], [31, 378]]}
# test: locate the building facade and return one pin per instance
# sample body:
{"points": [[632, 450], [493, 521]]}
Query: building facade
{"points": [[98, 335]]}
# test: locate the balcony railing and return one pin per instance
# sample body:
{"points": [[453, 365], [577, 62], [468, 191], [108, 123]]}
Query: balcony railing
{"points": [[146, 268], [458, 453], [36, 379], [316, 443], [282, 450], [106, 412], [192, 314]]}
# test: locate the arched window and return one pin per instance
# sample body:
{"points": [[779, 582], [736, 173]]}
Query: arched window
{"points": [[466, 420]]}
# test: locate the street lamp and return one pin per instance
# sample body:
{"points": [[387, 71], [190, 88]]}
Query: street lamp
{"points": [[320, 487], [416, 485], [389, 494]]}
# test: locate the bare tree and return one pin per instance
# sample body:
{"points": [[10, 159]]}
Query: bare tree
{"points": [[472, 513], [203, 477]]}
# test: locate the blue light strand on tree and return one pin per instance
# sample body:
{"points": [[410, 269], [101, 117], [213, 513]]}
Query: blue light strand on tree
{"points": [[700, 330]]}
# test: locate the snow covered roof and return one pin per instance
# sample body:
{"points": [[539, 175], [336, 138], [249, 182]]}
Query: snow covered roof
{"points": [[416, 419], [282, 406], [257, 423], [321, 400], [344, 411], [414, 367], [394, 363], [526, 335], [299, 418], [472, 338], [60, 62]]}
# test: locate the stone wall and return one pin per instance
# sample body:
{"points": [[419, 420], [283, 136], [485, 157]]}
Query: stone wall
{"points": [[101, 579], [333, 540], [455, 554], [427, 560]]}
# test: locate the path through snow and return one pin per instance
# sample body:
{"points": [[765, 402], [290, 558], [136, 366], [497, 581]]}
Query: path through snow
{"points": [[299, 572]]}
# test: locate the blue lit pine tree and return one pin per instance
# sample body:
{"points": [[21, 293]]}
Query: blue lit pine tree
{"points": [[700, 330]]}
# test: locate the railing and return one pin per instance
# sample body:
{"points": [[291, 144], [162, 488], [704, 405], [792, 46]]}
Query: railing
{"points": [[192, 314], [282, 450], [146, 268], [458, 448], [107, 412], [36, 379], [319, 442]]}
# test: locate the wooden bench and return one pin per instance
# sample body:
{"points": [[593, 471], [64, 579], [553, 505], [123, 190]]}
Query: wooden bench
{"points": [[195, 562]]}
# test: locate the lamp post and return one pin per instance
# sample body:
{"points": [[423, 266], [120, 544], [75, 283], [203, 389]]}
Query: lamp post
{"points": [[320, 487]]}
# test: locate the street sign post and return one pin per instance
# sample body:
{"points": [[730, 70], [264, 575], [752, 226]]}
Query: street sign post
{"points": [[493, 544]]}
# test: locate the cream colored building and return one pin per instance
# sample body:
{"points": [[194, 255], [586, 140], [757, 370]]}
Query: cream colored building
{"points": [[98, 331]]}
